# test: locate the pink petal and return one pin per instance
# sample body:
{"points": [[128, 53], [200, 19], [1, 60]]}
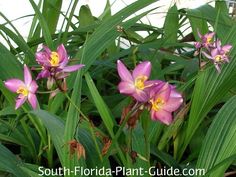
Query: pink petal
{"points": [[126, 88], [27, 76], [153, 91], [61, 75], [123, 72], [214, 52], [199, 34], [32, 100], [211, 35], [226, 48], [152, 83], [217, 68], [173, 104], [174, 93], [33, 87], [43, 74], [42, 58], [20, 100], [218, 44], [197, 45], [140, 95], [47, 50], [63, 57], [153, 114], [164, 92], [14, 84], [142, 69], [72, 68], [163, 116], [207, 55]]}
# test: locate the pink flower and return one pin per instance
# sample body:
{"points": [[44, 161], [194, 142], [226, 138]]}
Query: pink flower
{"points": [[135, 84], [164, 100], [219, 55], [223, 50], [206, 40], [55, 62], [26, 89]]}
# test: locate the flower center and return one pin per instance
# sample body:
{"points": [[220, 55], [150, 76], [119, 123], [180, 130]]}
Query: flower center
{"points": [[157, 104], [218, 58], [139, 82], [22, 90], [54, 61], [208, 40]]}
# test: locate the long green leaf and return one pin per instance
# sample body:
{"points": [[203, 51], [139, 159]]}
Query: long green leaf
{"points": [[101, 105], [9, 66], [107, 32], [171, 25], [219, 143], [72, 121], [51, 13], [43, 24], [9, 162], [55, 128]]}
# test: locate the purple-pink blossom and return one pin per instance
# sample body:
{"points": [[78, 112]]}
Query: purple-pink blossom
{"points": [[219, 54], [206, 40], [136, 83], [158, 96], [164, 99], [223, 50], [54, 63], [26, 89]]}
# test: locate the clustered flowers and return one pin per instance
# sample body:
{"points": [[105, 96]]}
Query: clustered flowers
{"points": [[213, 49], [158, 96], [54, 67]]}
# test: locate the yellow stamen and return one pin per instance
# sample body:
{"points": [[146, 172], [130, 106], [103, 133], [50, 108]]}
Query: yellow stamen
{"points": [[208, 40], [157, 104], [54, 61], [218, 58], [22, 90], [139, 82]]}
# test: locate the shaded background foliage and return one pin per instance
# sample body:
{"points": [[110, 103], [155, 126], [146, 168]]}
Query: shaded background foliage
{"points": [[203, 133]]}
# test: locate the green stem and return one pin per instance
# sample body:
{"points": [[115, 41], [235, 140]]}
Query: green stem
{"points": [[76, 107], [200, 58], [90, 127], [50, 152], [45, 92], [117, 135], [147, 142], [125, 121], [129, 148]]}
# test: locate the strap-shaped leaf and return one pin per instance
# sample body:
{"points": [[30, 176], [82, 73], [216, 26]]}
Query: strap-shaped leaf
{"points": [[219, 143], [55, 128], [9, 162]]}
